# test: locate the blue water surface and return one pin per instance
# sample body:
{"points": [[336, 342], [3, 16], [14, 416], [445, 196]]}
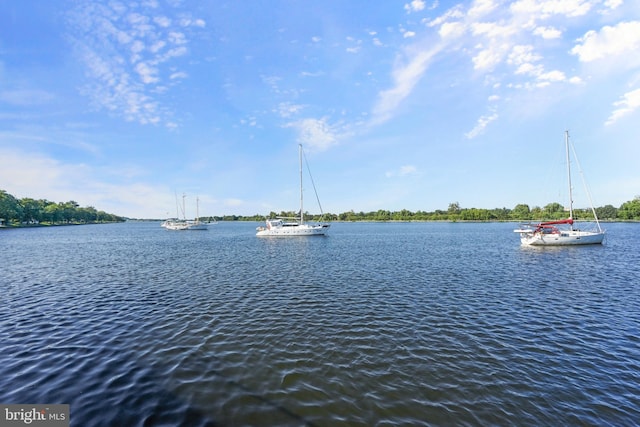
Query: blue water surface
{"points": [[377, 324]]}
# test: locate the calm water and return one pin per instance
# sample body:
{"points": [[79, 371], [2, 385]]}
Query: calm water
{"points": [[374, 325]]}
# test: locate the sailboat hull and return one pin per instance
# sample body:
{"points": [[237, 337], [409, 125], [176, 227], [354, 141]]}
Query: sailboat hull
{"points": [[185, 225], [288, 230], [562, 238]]}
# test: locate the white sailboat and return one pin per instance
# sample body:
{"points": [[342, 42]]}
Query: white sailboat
{"points": [[286, 227], [562, 232], [186, 224]]}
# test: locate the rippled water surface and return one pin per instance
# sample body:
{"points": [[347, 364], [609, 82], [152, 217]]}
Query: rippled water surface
{"points": [[374, 325]]}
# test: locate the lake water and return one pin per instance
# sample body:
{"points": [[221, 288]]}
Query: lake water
{"points": [[374, 325]]}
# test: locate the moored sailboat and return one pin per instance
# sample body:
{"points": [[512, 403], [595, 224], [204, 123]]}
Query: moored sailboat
{"points": [[286, 227], [186, 224], [562, 232]]}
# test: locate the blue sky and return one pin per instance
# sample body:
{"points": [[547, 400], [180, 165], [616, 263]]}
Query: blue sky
{"points": [[399, 105]]}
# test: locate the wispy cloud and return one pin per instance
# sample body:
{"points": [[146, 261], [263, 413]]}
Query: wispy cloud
{"points": [[315, 134], [405, 76], [481, 124], [628, 103], [129, 52], [70, 136], [288, 109], [42, 177], [406, 170], [505, 43], [26, 97]]}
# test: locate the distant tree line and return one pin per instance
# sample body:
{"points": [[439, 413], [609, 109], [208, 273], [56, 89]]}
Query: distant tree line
{"points": [[628, 211], [27, 211]]}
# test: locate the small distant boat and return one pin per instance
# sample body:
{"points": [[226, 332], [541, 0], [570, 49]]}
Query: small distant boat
{"points": [[186, 224], [286, 227], [562, 232]]}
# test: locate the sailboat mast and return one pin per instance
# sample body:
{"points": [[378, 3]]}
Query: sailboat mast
{"points": [[301, 207], [566, 142]]}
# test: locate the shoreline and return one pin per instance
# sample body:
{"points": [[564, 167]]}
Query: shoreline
{"points": [[9, 227]]}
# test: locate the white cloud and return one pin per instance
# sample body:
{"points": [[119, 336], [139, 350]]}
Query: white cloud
{"points": [[158, 46], [544, 9], [487, 59], [356, 45], [547, 32], [170, 54], [312, 74], [190, 22], [452, 30], [414, 6], [405, 77], [136, 47], [162, 21], [552, 76], [176, 37], [124, 49], [628, 103], [493, 30], [613, 4], [287, 109], [480, 8], [315, 133], [496, 46], [609, 41], [232, 203], [178, 75], [522, 54], [147, 73], [505, 45], [28, 172], [40, 177], [457, 12], [26, 97], [405, 170], [482, 123]]}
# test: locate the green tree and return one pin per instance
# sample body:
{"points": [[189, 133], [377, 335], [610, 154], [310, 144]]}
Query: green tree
{"points": [[500, 214], [454, 208], [32, 210], [554, 207], [382, 215], [10, 208], [630, 209], [53, 213], [69, 210], [521, 212], [88, 214], [607, 212], [553, 210]]}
